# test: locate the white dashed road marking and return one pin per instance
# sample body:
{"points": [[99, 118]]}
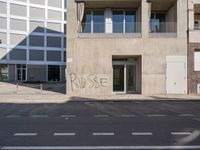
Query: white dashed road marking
{"points": [[181, 133], [103, 134], [156, 115], [197, 119], [68, 116], [142, 133], [39, 116], [25, 134], [13, 116], [128, 115], [101, 116], [186, 115], [64, 134]]}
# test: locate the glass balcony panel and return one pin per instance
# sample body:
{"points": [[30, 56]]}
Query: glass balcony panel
{"points": [[118, 27], [162, 27], [86, 27]]}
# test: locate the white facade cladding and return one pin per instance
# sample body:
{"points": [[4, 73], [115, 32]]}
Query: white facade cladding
{"points": [[32, 36]]}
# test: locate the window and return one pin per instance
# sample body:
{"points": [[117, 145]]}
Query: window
{"points": [[124, 21], [3, 72], [53, 73], [93, 21], [158, 22], [197, 60], [21, 72]]}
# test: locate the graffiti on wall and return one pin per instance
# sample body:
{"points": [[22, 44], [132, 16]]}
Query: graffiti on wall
{"points": [[89, 81]]}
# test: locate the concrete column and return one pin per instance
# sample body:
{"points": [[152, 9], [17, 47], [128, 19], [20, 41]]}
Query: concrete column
{"points": [[145, 19], [108, 20], [190, 15], [72, 34], [181, 18]]}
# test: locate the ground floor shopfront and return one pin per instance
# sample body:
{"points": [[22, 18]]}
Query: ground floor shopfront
{"points": [[32, 73]]}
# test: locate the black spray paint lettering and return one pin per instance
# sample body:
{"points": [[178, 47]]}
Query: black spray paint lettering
{"points": [[91, 81]]}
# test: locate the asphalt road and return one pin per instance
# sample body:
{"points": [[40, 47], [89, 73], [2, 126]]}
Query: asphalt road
{"points": [[101, 125]]}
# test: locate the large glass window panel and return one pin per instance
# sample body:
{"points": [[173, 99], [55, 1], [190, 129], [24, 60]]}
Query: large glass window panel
{"points": [[53, 73], [118, 21], [98, 21], [118, 78], [130, 24], [158, 22], [86, 23]]}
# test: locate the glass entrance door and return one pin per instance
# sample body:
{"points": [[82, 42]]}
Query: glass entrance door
{"points": [[118, 78], [21, 73], [124, 78], [131, 78]]}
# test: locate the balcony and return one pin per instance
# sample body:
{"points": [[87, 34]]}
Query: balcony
{"points": [[120, 29], [163, 19]]}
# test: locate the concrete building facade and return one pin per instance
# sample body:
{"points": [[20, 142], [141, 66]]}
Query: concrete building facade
{"points": [[32, 40], [131, 46], [194, 46]]}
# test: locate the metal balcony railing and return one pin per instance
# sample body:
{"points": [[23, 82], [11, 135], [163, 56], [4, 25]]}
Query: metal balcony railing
{"points": [[197, 27], [118, 27], [163, 27]]}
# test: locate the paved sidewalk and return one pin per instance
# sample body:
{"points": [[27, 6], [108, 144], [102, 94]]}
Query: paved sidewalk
{"points": [[61, 98], [55, 93]]}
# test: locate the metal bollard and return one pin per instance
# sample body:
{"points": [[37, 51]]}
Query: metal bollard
{"points": [[17, 87], [41, 88]]}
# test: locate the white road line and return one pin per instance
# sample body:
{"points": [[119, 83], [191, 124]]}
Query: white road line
{"points": [[156, 115], [68, 116], [101, 116], [64, 134], [13, 116], [128, 115], [103, 134], [186, 115], [141, 133], [25, 134], [181, 133], [39, 116], [99, 147], [197, 119]]}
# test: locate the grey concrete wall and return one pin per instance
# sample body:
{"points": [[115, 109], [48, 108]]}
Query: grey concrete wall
{"points": [[36, 73], [37, 13], [37, 2], [3, 24], [11, 73], [3, 38], [53, 3], [19, 25], [3, 8], [18, 10]]}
